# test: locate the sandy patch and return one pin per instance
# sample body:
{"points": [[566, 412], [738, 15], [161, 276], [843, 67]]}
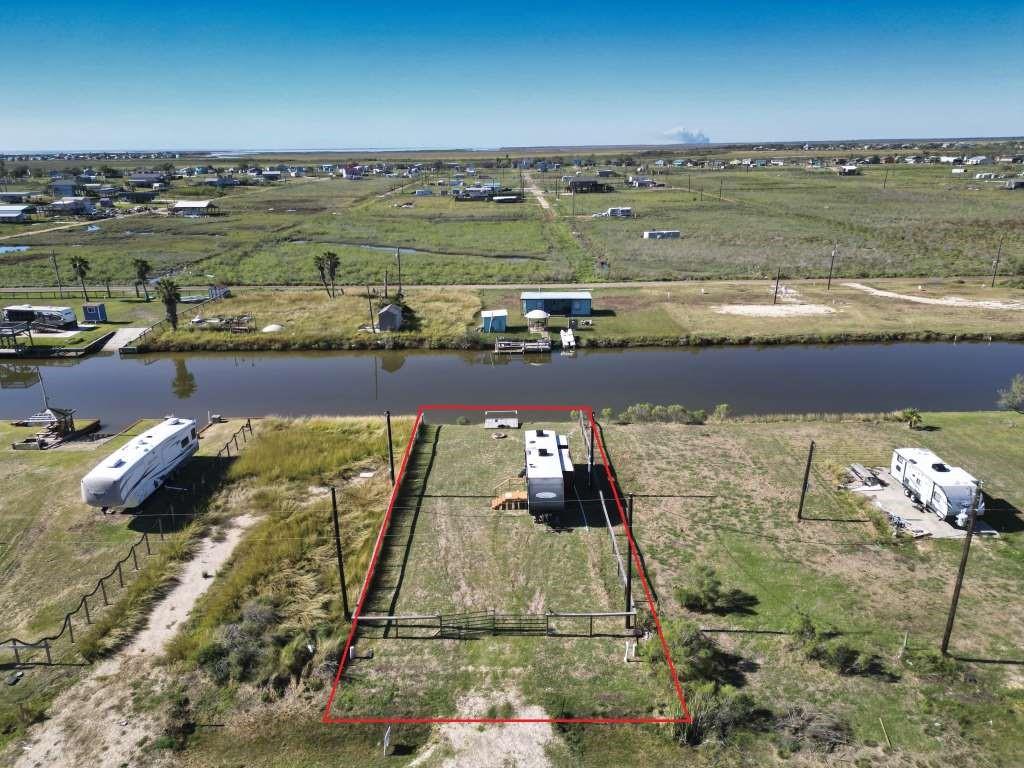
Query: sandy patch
{"points": [[773, 310], [945, 301], [490, 745]]}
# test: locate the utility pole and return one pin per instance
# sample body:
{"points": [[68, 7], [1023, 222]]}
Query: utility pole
{"points": [[721, 190], [975, 503], [391, 448], [385, 283], [995, 264], [885, 178], [807, 478], [629, 565], [56, 271], [337, 549], [369, 303], [398, 257], [835, 249], [775, 296]]}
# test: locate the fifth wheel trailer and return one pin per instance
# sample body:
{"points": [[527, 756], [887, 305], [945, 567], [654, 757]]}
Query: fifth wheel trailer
{"points": [[130, 474], [928, 480]]}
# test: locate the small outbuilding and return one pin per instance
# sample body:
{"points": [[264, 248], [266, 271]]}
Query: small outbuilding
{"points": [[587, 184], [566, 303], [389, 318], [16, 214], [537, 320], [493, 320]]}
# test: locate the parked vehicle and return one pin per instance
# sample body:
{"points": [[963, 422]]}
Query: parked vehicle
{"points": [[61, 317], [929, 481], [129, 475]]}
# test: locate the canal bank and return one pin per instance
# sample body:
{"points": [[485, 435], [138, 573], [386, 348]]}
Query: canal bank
{"points": [[752, 380]]}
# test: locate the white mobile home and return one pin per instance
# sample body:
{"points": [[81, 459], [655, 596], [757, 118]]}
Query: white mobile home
{"points": [[929, 481], [130, 474]]}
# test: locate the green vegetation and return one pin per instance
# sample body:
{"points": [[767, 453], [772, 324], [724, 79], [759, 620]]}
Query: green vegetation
{"points": [[1012, 397]]}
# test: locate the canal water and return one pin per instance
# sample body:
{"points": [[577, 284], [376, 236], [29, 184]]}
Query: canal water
{"points": [[794, 379]]}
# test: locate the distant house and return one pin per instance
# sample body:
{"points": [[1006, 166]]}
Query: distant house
{"points": [[1015, 184], [605, 173], [271, 175], [16, 214], [65, 188], [661, 234], [327, 168], [848, 170], [390, 318], [148, 179], [568, 303], [587, 184], [15, 197], [74, 206], [194, 208], [978, 160]]}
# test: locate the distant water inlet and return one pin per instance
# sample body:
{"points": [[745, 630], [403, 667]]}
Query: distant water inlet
{"points": [[794, 379]]}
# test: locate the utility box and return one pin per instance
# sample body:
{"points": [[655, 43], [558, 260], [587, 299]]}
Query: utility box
{"points": [[94, 313]]}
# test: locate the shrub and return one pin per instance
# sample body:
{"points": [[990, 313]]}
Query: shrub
{"points": [[719, 711], [801, 728], [646, 413], [1012, 398], [709, 597]]}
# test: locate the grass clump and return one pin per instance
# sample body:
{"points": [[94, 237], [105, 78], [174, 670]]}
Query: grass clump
{"points": [[826, 648], [708, 596]]}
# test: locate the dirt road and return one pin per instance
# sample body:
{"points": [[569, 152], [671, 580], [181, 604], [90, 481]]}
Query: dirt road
{"points": [[945, 301]]}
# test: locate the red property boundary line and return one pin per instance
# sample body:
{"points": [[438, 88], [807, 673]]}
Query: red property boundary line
{"points": [[634, 553]]}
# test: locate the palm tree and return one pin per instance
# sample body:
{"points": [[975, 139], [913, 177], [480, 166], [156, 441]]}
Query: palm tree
{"points": [[321, 265], [142, 270], [332, 262], [81, 268], [169, 294], [913, 418]]}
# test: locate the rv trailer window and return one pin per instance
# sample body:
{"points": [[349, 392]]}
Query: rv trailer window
{"points": [[184, 442]]}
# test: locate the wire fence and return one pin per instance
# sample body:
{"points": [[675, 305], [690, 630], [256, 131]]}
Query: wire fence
{"points": [[62, 645]]}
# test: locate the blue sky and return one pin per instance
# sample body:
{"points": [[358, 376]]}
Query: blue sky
{"points": [[397, 74]]}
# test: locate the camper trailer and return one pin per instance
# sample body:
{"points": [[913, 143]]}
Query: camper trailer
{"points": [[61, 317], [549, 470], [929, 481], [130, 474]]}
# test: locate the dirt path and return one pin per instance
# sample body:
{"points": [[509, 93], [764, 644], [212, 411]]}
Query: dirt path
{"points": [[535, 191], [945, 301], [30, 232], [93, 722]]}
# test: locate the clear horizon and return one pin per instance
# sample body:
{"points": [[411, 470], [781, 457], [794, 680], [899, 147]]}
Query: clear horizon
{"points": [[312, 75]]}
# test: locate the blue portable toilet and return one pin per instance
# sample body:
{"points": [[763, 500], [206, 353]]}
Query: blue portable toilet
{"points": [[493, 320], [94, 313]]}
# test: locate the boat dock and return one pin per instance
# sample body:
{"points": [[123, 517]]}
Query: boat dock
{"points": [[521, 347]]}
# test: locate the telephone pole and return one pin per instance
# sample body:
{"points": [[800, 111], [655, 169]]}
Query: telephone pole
{"points": [[995, 264], [337, 549], [975, 503], [775, 296], [831, 265], [369, 303], [56, 272]]}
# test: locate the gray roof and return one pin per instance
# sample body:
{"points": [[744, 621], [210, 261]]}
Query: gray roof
{"points": [[572, 295]]}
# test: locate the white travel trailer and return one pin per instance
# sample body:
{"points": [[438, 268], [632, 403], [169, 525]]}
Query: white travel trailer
{"points": [[929, 481], [63, 317], [130, 474], [549, 470]]}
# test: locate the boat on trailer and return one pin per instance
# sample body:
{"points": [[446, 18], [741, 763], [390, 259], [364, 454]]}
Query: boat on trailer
{"points": [[129, 475]]}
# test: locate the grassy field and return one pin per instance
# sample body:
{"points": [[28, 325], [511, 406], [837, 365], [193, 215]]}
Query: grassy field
{"points": [[890, 221], [711, 312], [53, 548], [719, 495]]}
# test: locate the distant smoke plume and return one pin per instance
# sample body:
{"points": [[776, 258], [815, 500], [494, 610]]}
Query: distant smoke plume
{"points": [[681, 135]]}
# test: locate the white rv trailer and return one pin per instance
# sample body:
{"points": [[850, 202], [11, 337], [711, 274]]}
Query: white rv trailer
{"points": [[130, 474], [63, 317], [928, 480], [549, 470]]}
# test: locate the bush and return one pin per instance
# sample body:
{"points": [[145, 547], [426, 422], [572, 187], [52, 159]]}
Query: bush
{"points": [[801, 728], [709, 597], [1012, 398], [646, 413], [243, 648], [719, 711]]}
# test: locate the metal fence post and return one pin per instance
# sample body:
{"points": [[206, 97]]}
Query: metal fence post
{"points": [[120, 576], [71, 629], [145, 538], [135, 558], [85, 604], [103, 591], [46, 646], [14, 646]]}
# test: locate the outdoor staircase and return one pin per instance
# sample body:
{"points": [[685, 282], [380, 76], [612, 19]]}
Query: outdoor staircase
{"points": [[397, 543], [505, 497]]}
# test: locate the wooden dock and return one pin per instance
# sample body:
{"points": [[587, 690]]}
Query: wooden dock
{"points": [[521, 347]]}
